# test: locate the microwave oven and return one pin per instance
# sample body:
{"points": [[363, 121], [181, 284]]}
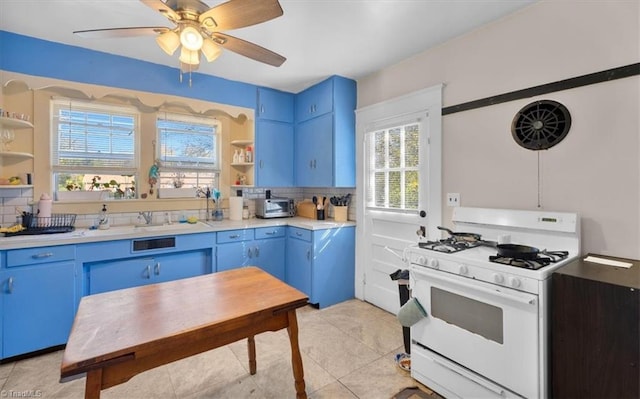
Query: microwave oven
{"points": [[275, 208]]}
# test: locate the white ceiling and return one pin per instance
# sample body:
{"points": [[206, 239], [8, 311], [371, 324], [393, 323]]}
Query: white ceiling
{"points": [[319, 38]]}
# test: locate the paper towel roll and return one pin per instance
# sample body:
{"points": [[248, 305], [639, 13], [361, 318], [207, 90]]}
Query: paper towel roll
{"points": [[235, 208]]}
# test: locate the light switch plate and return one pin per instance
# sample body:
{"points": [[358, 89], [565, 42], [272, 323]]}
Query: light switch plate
{"points": [[453, 199]]}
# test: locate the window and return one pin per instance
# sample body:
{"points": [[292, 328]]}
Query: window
{"points": [[394, 167], [188, 151], [94, 147]]}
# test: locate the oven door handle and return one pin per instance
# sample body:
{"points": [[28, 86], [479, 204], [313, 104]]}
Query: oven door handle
{"points": [[528, 300], [469, 376]]}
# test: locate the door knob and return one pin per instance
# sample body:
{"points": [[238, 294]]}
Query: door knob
{"points": [[423, 214]]}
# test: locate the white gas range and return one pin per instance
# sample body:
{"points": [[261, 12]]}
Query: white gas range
{"points": [[486, 333]]}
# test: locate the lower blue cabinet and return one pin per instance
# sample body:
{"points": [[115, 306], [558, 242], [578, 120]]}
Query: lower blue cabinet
{"points": [[114, 275], [321, 263], [263, 247], [38, 306]]}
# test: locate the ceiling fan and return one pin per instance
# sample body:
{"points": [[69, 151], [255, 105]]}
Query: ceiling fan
{"points": [[198, 28]]}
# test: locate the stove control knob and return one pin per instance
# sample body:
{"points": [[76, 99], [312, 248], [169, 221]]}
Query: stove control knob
{"points": [[434, 264], [515, 282], [422, 260], [463, 270], [498, 278]]}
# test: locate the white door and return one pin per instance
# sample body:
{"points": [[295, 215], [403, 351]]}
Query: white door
{"points": [[398, 187]]}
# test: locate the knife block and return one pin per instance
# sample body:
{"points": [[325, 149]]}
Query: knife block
{"points": [[307, 209], [340, 213]]}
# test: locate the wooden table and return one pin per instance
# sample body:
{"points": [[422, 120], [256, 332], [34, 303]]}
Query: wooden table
{"points": [[119, 334]]}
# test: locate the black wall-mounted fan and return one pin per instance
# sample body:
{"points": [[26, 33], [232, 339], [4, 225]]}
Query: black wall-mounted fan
{"points": [[541, 125]]}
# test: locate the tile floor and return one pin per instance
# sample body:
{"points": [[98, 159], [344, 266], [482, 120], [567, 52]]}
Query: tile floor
{"points": [[347, 351]]}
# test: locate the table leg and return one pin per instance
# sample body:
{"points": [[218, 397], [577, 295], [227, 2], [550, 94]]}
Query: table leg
{"points": [[94, 384], [296, 358], [252, 354]]}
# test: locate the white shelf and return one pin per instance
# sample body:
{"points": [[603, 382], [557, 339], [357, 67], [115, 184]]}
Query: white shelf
{"points": [[3, 186], [14, 154], [241, 143], [242, 185], [242, 164], [14, 123]]}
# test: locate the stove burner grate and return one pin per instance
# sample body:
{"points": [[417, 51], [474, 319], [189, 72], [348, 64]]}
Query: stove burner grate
{"points": [[544, 259], [448, 245]]}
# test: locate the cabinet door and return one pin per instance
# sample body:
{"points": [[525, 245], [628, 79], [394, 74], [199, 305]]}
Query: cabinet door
{"points": [[333, 278], [314, 152], [274, 154], [314, 101], [115, 275], [38, 307], [269, 255], [180, 265], [298, 265], [275, 105], [233, 255]]}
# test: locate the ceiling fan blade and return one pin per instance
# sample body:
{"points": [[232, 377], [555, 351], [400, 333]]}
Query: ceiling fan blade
{"points": [[163, 9], [236, 14], [110, 33], [248, 49]]}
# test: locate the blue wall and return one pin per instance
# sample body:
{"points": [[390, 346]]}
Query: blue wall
{"points": [[30, 56]]}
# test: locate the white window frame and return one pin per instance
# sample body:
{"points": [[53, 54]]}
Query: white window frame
{"points": [[130, 169]]}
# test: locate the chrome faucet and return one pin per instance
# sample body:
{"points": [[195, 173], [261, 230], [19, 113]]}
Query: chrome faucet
{"points": [[147, 215]]}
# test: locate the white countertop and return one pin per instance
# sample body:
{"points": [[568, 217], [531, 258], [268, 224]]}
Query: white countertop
{"points": [[84, 235]]}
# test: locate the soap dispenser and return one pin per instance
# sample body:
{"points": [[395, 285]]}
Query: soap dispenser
{"points": [[103, 220]]}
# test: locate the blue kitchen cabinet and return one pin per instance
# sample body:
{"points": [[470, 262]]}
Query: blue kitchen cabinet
{"points": [[275, 105], [233, 248], [313, 154], [274, 139], [38, 298], [114, 275], [263, 247], [321, 263], [325, 153], [314, 101], [269, 250], [118, 264], [274, 154]]}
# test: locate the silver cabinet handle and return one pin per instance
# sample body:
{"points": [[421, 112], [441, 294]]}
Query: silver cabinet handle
{"points": [[148, 269], [10, 285], [249, 254], [256, 251], [42, 255], [311, 164], [234, 236], [156, 269], [270, 233], [314, 164], [309, 255], [262, 109], [299, 234]]}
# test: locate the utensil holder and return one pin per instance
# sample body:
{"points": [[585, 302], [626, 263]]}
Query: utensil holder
{"points": [[320, 214], [340, 213]]}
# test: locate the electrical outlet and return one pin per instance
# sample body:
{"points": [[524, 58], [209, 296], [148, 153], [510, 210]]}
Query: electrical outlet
{"points": [[453, 199]]}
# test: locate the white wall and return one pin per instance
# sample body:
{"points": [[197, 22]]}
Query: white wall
{"points": [[595, 171]]}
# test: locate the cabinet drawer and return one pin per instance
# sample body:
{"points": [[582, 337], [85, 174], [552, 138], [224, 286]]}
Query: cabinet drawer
{"points": [[301, 234], [30, 256], [270, 232], [234, 235]]}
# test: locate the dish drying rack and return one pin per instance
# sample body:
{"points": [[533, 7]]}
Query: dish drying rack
{"points": [[57, 223]]}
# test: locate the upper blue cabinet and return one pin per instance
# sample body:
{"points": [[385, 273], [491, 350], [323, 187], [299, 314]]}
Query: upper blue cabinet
{"points": [[274, 139], [275, 105], [325, 154]]}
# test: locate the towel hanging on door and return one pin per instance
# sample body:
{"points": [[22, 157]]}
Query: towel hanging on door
{"points": [[411, 312]]}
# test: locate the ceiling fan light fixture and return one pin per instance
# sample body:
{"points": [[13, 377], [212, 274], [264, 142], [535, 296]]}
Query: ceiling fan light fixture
{"points": [[191, 38], [210, 50], [169, 41], [189, 57]]}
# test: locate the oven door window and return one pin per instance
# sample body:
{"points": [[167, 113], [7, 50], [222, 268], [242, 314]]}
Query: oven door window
{"points": [[472, 315]]}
